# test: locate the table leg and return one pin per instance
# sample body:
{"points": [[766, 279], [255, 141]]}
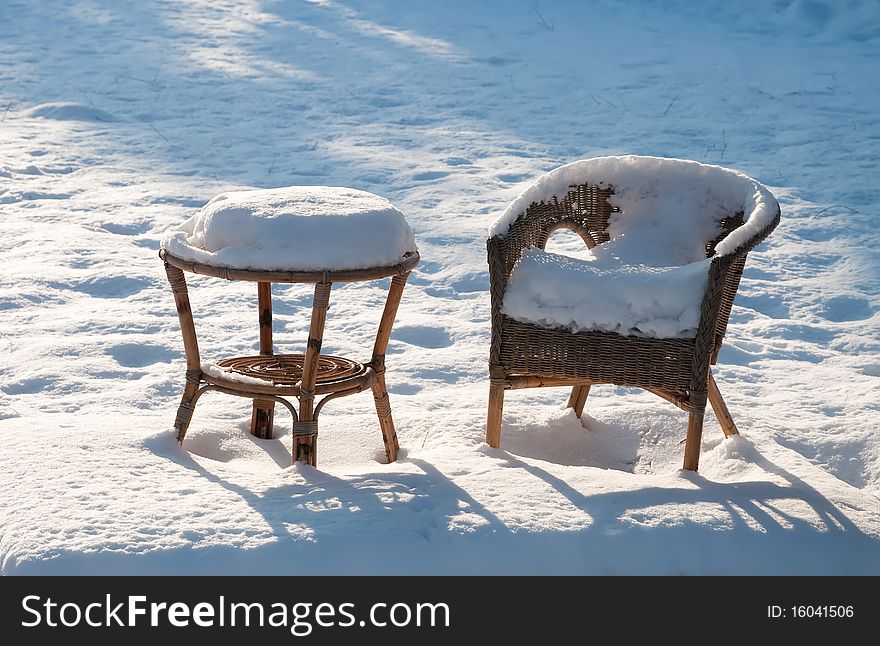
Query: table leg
{"points": [[263, 412], [305, 430], [380, 392], [190, 346]]}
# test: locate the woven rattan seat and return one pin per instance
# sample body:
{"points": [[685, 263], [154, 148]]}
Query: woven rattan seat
{"points": [[233, 230], [591, 197]]}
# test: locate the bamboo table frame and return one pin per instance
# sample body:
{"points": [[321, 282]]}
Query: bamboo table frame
{"points": [[268, 378]]}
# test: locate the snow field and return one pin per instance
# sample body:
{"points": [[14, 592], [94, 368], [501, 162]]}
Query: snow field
{"points": [[121, 120]]}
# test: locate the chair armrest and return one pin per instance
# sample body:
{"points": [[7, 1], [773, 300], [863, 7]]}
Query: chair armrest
{"points": [[749, 234]]}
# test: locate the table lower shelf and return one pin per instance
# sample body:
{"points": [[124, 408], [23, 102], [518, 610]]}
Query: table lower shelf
{"points": [[280, 374]]}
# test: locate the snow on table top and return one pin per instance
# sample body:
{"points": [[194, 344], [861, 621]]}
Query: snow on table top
{"points": [[553, 291], [669, 207], [295, 228]]}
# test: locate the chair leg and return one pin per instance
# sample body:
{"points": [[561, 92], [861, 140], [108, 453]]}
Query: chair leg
{"points": [[493, 420], [692, 444], [578, 399], [720, 408]]}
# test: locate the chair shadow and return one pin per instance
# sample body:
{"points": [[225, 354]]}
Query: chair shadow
{"points": [[411, 522], [739, 499]]}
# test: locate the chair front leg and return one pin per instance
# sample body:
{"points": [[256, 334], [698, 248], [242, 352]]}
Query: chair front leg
{"points": [[695, 431], [493, 416]]}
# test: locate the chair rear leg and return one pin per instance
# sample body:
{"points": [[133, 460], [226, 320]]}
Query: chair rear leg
{"points": [[692, 443], [720, 408], [493, 419], [578, 399]]}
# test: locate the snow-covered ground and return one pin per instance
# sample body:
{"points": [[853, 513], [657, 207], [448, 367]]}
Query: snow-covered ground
{"points": [[119, 119]]}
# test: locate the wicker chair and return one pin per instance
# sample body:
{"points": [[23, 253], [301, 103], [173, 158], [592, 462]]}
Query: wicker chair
{"points": [[527, 355]]}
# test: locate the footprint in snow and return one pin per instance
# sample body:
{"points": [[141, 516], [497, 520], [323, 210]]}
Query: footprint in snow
{"points": [[841, 309], [66, 111], [138, 355], [513, 178], [404, 389], [471, 282], [134, 229], [110, 286], [430, 175], [31, 386], [422, 336]]}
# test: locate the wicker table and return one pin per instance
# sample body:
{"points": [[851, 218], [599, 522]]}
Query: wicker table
{"points": [[268, 379]]}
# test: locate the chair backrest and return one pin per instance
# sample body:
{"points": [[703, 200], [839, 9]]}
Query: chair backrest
{"points": [[654, 211], [584, 209]]}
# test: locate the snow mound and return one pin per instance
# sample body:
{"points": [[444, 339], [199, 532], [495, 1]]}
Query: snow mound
{"points": [[554, 291], [732, 459], [6, 409], [295, 228], [669, 208], [66, 111], [237, 448], [561, 437], [841, 20]]}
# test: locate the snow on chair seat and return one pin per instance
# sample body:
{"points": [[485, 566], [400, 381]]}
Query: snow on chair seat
{"points": [[669, 240], [557, 291]]}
